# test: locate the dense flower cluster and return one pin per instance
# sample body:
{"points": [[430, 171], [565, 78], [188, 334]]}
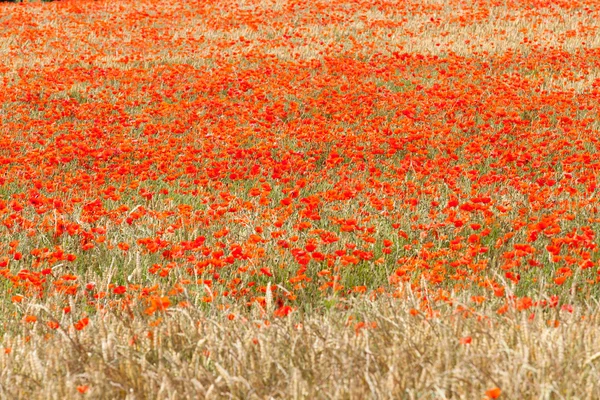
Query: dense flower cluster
{"points": [[162, 154]]}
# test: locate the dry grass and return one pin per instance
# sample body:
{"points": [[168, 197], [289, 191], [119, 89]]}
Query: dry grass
{"points": [[202, 354]]}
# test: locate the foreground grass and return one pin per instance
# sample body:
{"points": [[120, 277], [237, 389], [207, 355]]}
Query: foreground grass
{"points": [[375, 349]]}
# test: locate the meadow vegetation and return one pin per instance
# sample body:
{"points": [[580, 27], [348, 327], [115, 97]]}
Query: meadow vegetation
{"points": [[299, 199]]}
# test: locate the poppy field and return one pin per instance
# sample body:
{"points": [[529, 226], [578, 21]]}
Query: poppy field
{"points": [[240, 198]]}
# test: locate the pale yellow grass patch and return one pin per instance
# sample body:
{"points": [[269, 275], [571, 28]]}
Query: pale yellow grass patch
{"points": [[363, 34], [200, 354]]}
